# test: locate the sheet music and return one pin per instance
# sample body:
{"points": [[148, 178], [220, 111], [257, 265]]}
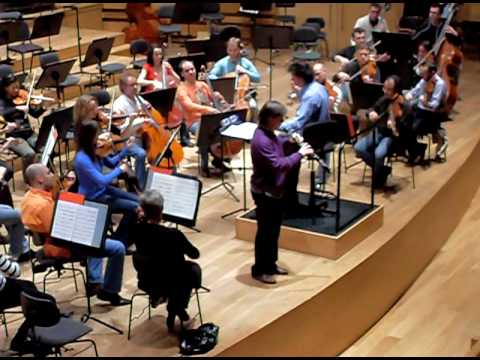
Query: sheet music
{"points": [[3, 170], [75, 222], [47, 151], [243, 131], [180, 194]]}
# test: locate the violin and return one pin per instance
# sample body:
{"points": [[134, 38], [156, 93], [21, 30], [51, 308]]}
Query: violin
{"points": [[369, 70], [334, 96], [395, 113]]}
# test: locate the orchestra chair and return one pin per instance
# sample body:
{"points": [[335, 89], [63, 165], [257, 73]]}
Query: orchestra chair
{"points": [[392, 157], [285, 18], [139, 47], [230, 31], [306, 38], [210, 14], [166, 12], [322, 35], [41, 263], [70, 80], [25, 47], [3, 316], [9, 156], [47, 326], [143, 265]]}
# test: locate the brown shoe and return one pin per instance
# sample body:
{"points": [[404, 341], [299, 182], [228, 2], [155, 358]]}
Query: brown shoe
{"points": [[265, 278]]}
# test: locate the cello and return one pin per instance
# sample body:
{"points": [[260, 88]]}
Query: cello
{"points": [[155, 138]]}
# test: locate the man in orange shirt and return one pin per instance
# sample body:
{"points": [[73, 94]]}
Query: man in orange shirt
{"points": [[37, 213], [196, 99]]}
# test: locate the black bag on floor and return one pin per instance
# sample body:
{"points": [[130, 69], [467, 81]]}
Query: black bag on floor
{"points": [[200, 340]]}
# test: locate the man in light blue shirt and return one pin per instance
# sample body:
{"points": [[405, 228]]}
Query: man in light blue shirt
{"points": [[313, 98], [428, 114], [235, 62]]}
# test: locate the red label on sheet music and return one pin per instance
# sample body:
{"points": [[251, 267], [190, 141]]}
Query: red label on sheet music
{"points": [[71, 197], [162, 171]]}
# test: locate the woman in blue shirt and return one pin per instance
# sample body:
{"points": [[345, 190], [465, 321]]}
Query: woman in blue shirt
{"points": [[97, 186]]}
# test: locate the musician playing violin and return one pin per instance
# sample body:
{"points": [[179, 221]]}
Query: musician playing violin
{"points": [[386, 129], [86, 108], [196, 99], [12, 116], [235, 62], [428, 97], [155, 69], [334, 92]]}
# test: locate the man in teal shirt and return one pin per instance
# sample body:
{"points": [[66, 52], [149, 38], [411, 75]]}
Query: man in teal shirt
{"points": [[235, 62]]}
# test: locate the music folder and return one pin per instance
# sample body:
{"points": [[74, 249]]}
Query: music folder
{"points": [[79, 223]]}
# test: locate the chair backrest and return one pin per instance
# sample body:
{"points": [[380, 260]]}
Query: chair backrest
{"points": [[23, 31], [103, 97], [166, 11], [210, 8], [39, 309], [139, 46], [304, 34], [5, 70], [48, 58], [313, 25], [317, 20], [230, 31]]}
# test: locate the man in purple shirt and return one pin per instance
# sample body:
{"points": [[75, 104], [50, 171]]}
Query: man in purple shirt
{"points": [[273, 170]]}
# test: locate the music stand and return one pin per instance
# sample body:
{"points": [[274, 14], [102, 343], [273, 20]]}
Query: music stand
{"points": [[214, 48], [92, 247], [98, 51], [53, 74], [47, 25], [226, 87], [364, 95], [272, 37], [162, 100], [209, 133], [197, 59]]}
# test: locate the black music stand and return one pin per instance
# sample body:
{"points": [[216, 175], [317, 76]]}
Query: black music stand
{"points": [[197, 59], [47, 25], [226, 87], [90, 250], [246, 137], [214, 48], [9, 33], [53, 74], [209, 133], [364, 95], [98, 51], [272, 37], [162, 100]]}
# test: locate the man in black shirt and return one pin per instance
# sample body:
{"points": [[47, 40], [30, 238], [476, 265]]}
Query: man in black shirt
{"points": [[348, 53], [431, 30]]}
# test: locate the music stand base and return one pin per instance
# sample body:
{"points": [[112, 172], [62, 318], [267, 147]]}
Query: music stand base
{"points": [[229, 187], [233, 212], [88, 316]]}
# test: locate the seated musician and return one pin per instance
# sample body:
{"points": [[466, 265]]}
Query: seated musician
{"points": [[174, 277], [152, 73], [423, 49], [374, 154], [313, 106], [372, 22], [334, 92], [37, 213], [97, 186], [428, 97], [347, 54], [431, 30], [86, 108], [234, 62], [195, 99], [13, 115]]}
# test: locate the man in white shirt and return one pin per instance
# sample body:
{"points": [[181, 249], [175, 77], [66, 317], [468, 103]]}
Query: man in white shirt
{"points": [[372, 22]]}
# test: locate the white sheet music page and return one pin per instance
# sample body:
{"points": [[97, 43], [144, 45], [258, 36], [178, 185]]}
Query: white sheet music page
{"points": [[243, 131], [64, 220], [180, 194], [85, 225]]}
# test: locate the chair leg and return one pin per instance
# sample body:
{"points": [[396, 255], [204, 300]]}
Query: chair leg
{"points": [[364, 172], [199, 308], [74, 278], [89, 341], [413, 177], [4, 322], [13, 175]]}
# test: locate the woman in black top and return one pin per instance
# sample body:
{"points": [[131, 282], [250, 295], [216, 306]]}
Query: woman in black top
{"points": [[170, 275]]}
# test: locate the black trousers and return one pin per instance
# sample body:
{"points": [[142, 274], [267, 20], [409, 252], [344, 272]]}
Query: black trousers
{"points": [[269, 214], [181, 290]]}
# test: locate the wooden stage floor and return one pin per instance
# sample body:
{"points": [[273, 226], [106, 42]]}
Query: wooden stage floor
{"points": [[243, 307]]}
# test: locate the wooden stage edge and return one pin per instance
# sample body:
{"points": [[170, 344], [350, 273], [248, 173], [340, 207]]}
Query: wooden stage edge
{"points": [[309, 242], [339, 314]]}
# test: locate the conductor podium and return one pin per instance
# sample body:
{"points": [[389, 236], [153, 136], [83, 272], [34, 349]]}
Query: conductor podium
{"points": [[322, 225]]}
